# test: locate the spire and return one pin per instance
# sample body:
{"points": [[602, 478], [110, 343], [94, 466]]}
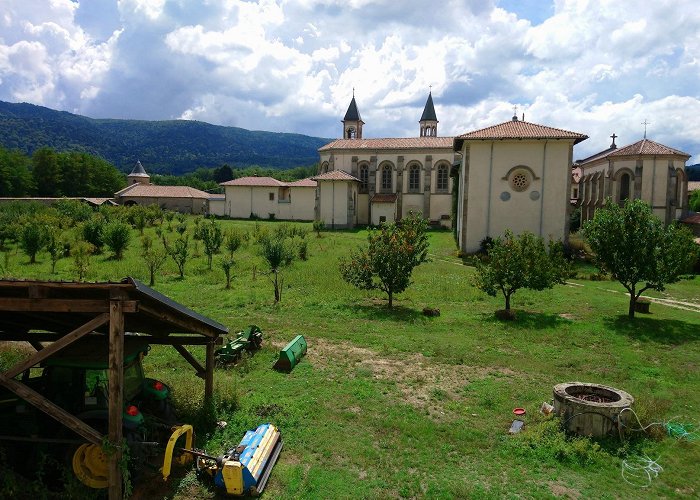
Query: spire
{"points": [[138, 175], [428, 120], [352, 114], [138, 169], [352, 123], [429, 110]]}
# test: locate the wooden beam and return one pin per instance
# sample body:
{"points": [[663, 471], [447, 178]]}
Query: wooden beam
{"points": [[52, 410], [190, 359], [57, 346], [62, 305], [152, 339], [187, 324], [116, 395], [209, 374]]}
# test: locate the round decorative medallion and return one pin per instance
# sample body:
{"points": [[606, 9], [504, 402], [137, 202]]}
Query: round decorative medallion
{"points": [[520, 180], [535, 195], [505, 196]]}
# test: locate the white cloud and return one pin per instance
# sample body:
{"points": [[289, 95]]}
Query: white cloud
{"points": [[594, 66]]}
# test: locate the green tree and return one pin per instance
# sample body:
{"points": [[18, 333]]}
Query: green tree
{"points": [[212, 237], [32, 239], [93, 231], [226, 264], [81, 252], [15, 177], [694, 201], [154, 259], [319, 226], [635, 247], [55, 246], [515, 262], [179, 251], [388, 261], [46, 172], [117, 236], [278, 253], [233, 240]]}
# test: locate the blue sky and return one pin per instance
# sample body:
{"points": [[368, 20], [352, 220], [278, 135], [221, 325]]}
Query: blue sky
{"points": [[592, 66]]}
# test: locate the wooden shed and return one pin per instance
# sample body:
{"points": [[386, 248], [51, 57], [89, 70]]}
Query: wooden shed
{"points": [[59, 313]]}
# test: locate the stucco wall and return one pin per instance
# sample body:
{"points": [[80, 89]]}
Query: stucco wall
{"points": [[493, 204], [242, 201], [333, 203], [217, 207], [386, 210], [182, 205]]}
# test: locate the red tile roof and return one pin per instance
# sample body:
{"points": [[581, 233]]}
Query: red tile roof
{"points": [[268, 182], [647, 147], [518, 129], [153, 191], [384, 198], [336, 175], [390, 143]]}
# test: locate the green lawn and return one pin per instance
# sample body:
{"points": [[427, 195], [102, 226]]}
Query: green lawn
{"points": [[389, 403]]}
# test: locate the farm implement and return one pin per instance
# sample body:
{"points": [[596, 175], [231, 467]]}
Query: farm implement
{"points": [[243, 470], [291, 354], [249, 340]]}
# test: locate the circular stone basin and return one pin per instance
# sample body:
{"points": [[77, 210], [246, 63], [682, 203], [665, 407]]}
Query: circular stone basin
{"points": [[591, 409]]}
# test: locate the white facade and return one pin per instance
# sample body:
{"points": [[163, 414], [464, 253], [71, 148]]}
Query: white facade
{"points": [[515, 176], [267, 198]]}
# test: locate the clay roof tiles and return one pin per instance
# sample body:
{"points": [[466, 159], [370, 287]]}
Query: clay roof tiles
{"points": [[153, 191], [518, 129], [268, 182], [390, 143], [336, 175], [647, 147]]}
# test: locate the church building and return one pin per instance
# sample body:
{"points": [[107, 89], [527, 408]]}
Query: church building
{"points": [[391, 176], [515, 175], [644, 170]]}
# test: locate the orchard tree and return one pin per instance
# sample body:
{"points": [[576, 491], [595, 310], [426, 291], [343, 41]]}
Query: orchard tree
{"points": [[154, 258], [179, 251], [117, 236], [278, 252], [32, 239], [212, 237], [515, 262], [635, 247], [392, 253]]}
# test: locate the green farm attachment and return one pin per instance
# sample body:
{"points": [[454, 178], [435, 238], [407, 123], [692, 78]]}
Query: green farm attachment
{"points": [[291, 354], [249, 339]]}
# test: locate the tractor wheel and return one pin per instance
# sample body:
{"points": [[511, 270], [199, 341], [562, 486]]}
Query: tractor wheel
{"points": [[91, 466]]}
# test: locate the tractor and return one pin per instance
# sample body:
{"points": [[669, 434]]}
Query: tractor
{"points": [[75, 379]]}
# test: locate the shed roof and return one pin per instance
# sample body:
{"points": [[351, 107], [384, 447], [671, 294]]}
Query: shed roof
{"points": [[59, 306]]}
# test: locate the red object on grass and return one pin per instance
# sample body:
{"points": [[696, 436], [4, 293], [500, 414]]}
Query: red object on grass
{"points": [[519, 411]]}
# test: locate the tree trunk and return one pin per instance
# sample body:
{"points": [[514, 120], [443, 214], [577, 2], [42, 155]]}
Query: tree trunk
{"points": [[391, 299], [152, 281], [633, 302], [507, 295], [277, 288]]}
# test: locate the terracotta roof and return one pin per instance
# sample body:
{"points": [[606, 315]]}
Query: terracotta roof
{"points": [[390, 143], [268, 182], [597, 156], [518, 129], [693, 186], [336, 175], [647, 147], [384, 198], [153, 191], [691, 219]]}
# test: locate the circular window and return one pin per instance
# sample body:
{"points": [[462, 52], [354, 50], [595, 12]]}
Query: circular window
{"points": [[519, 180]]}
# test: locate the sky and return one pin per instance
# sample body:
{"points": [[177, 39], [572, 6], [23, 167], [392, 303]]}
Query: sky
{"points": [[594, 67]]}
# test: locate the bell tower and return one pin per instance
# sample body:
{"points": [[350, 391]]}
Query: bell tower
{"points": [[352, 123], [428, 120]]}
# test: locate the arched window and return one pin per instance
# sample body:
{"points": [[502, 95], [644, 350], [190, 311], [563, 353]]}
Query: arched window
{"points": [[414, 179], [386, 179], [625, 181], [442, 179], [364, 178]]}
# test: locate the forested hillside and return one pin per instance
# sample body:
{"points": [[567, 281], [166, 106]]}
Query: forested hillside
{"points": [[168, 147], [693, 172]]}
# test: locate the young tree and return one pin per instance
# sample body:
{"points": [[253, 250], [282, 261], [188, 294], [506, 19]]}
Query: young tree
{"points": [[388, 262], [233, 240], [319, 226], [117, 235], [81, 252], [154, 259], [179, 251], [92, 231], [515, 262], [212, 237], [633, 245], [226, 264], [278, 253], [55, 247], [32, 239]]}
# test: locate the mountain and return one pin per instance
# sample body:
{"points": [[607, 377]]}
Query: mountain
{"points": [[168, 147], [693, 172]]}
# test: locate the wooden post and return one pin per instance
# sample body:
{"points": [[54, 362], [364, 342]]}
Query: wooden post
{"points": [[116, 403], [209, 374]]}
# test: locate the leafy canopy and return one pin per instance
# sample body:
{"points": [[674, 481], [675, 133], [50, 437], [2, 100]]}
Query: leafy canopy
{"points": [[392, 253], [635, 247], [515, 262]]}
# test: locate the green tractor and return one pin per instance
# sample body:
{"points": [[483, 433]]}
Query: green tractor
{"points": [[75, 379]]}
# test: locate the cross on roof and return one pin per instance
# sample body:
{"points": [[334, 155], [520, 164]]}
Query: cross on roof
{"points": [[645, 123], [613, 136]]}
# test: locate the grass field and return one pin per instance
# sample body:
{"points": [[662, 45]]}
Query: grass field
{"points": [[390, 403]]}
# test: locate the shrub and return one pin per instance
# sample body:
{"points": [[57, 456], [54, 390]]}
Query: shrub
{"points": [[117, 236], [32, 239], [92, 232], [319, 226], [81, 252]]}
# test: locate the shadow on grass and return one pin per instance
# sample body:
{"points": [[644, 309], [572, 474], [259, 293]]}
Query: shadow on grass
{"points": [[527, 320], [396, 313], [665, 331]]}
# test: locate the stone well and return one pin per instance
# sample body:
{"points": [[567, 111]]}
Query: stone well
{"points": [[591, 409]]}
